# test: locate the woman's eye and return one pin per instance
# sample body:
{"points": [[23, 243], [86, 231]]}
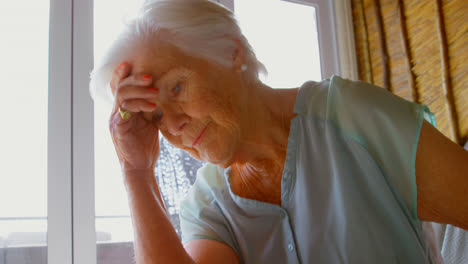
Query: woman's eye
{"points": [[158, 116], [177, 88]]}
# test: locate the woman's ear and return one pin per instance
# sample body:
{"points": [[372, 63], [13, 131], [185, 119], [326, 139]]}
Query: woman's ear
{"points": [[239, 61]]}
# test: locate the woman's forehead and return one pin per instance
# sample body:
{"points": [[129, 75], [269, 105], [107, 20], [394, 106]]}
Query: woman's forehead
{"points": [[157, 59]]}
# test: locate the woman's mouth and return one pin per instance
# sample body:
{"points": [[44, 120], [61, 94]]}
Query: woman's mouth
{"points": [[198, 140]]}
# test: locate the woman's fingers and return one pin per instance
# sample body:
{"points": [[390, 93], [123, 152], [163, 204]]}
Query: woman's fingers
{"points": [[138, 105], [128, 87], [132, 92], [122, 80], [119, 74], [136, 80], [138, 109], [134, 96]]}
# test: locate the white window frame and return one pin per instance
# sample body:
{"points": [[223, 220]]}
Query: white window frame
{"points": [[71, 228], [346, 47], [59, 215], [84, 231], [71, 201]]}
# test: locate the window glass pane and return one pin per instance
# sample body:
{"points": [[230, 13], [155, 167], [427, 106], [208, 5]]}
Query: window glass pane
{"points": [[23, 156], [284, 39], [114, 231]]}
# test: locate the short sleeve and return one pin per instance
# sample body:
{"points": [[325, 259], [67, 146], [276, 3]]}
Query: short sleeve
{"points": [[386, 125], [201, 216]]}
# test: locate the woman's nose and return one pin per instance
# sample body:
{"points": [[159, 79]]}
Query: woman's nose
{"points": [[176, 123]]}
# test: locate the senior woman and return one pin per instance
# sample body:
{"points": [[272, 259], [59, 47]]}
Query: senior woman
{"points": [[331, 172]]}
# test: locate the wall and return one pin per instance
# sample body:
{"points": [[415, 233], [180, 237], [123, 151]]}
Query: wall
{"points": [[418, 49]]}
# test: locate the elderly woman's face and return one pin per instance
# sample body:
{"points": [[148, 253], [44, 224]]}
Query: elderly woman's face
{"points": [[198, 103]]}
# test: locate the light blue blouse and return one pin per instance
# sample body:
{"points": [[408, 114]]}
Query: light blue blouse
{"points": [[348, 190]]}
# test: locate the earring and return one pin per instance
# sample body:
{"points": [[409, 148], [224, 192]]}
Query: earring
{"points": [[243, 67]]}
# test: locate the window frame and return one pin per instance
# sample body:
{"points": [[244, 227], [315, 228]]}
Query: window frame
{"points": [[59, 200], [84, 231], [70, 224]]}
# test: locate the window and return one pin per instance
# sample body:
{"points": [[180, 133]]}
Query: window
{"points": [[23, 137]]}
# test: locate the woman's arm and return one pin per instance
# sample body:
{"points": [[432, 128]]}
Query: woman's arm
{"points": [[441, 179], [155, 238], [205, 251]]}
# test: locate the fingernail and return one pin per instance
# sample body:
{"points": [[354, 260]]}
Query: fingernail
{"points": [[121, 65], [156, 90], [146, 76]]}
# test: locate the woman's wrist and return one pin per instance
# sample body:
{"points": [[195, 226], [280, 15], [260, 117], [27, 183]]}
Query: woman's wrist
{"points": [[138, 175], [137, 172], [142, 181]]}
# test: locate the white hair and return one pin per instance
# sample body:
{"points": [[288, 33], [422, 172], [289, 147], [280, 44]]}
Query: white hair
{"points": [[200, 28]]}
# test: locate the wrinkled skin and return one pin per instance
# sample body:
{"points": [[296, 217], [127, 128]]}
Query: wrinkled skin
{"points": [[182, 97]]}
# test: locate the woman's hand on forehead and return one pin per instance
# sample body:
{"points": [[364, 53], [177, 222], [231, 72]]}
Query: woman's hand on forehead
{"points": [[127, 88], [135, 137]]}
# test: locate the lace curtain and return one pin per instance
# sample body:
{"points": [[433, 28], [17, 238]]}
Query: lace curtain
{"points": [[175, 172]]}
